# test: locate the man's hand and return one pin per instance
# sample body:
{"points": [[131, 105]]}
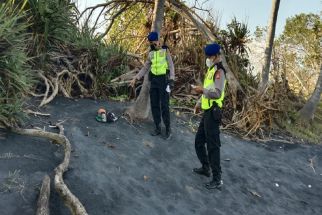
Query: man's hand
{"points": [[198, 89], [132, 83], [197, 109]]}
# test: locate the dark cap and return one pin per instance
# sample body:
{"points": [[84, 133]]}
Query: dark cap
{"points": [[212, 49], [153, 36]]}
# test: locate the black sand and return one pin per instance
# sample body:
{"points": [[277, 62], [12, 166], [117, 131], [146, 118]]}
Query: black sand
{"points": [[120, 169]]}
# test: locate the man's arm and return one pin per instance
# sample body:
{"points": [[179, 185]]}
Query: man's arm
{"points": [[214, 90], [198, 104], [170, 65], [197, 107], [145, 68]]}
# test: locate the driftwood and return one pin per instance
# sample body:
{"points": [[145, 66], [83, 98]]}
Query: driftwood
{"points": [[43, 200], [68, 197], [36, 113]]}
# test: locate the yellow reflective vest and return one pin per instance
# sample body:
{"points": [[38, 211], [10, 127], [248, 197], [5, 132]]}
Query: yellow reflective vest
{"points": [[209, 80], [159, 61]]}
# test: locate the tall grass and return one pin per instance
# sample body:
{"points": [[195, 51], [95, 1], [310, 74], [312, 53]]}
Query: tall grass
{"points": [[15, 74], [53, 23]]}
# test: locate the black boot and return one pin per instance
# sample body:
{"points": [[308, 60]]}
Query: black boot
{"points": [[167, 133], [157, 131], [216, 183], [204, 170]]}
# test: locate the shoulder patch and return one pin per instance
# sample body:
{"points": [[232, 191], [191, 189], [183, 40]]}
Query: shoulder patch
{"points": [[218, 74]]}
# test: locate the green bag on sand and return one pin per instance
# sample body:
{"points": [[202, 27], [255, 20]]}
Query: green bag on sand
{"points": [[99, 118], [102, 116]]}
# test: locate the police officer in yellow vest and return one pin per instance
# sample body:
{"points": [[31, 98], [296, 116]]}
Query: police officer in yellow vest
{"points": [[211, 102], [161, 75]]}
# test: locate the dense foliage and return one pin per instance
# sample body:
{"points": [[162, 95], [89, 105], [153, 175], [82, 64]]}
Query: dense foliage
{"points": [[15, 73]]}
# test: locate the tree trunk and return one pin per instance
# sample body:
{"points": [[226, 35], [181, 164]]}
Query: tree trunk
{"points": [[308, 110], [269, 44], [141, 108], [158, 14]]}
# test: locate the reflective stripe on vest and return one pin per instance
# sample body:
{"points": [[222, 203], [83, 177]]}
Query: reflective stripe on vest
{"points": [[209, 80], [159, 61]]}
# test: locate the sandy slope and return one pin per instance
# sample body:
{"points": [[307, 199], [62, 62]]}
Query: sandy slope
{"points": [[121, 169]]}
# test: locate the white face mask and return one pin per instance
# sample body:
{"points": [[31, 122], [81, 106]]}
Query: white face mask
{"points": [[209, 62]]}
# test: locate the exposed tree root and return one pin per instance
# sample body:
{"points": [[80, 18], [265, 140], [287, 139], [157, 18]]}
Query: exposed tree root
{"points": [[125, 77], [68, 75], [43, 200], [68, 197], [55, 89]]}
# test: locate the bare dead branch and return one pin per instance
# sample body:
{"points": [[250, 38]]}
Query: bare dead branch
{"points": [[124, 8], [99, 15]]}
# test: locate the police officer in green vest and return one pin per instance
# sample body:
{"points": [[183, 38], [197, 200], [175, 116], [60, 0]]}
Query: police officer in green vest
{"points": [[161, 75], [211, 102]]}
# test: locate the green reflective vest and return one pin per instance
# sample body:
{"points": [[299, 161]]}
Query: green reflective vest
{"points": [[209, 80], [159, 61]]}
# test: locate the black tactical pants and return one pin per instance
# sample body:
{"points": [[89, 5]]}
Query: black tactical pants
{"points": [[208, 132], [159, 98]]}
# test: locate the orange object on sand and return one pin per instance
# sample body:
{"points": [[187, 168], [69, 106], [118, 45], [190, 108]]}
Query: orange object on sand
{"points": [[101, 110]]}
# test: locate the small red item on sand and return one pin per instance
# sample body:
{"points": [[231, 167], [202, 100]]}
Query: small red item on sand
{"points": [[101, 110]]}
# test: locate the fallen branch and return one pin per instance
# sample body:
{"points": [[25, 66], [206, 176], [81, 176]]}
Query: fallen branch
{"points": [[43, 200], [36, 113], [68, 197]]}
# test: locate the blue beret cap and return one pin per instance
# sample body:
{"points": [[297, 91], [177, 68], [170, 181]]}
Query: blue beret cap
{"points": [[212, 49], [153, 36]]}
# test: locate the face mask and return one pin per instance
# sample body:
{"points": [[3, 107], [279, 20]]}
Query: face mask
{"points": [[209, 62], [153, 47]]}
